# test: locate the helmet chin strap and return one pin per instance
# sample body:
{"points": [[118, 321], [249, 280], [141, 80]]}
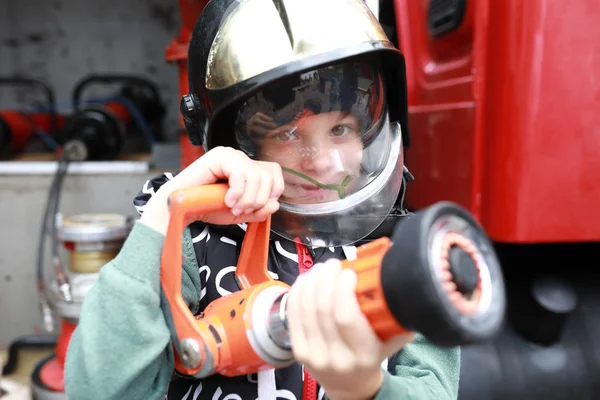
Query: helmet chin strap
{"points": [[339, 188]]}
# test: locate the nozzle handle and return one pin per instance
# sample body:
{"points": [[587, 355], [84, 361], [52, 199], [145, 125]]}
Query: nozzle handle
{"points": [[187, 206]]}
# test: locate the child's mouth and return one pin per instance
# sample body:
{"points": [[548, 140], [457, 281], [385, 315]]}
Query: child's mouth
{"points": [[310, 188], [316, 188], [312, 192]]}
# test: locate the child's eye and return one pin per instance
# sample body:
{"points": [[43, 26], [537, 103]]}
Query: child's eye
{"points": [[285, 136], [340, 130]]}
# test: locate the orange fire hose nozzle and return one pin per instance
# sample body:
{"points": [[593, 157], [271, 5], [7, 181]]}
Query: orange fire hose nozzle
{"points": [[438, 275]]}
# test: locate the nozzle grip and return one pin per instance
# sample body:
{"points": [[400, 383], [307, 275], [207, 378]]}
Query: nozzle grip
{"points": [[187, 206], [369, 291]]}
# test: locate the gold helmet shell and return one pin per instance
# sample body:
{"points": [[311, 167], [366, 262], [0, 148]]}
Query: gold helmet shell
{"points": [[239, 46]]}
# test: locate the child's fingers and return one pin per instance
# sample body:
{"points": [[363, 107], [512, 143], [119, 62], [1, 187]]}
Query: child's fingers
{"points": [[300, 345], [277, 175], [278, 182], [311, 323], [264, 191], [266, 124], [264, 117], [246, 203], [258, 130], [237, 184], [352, 325], [251, 185], [328, 273], [260, 215]]}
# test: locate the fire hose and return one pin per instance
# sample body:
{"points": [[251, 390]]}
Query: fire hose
{"points": [[438, 275]]}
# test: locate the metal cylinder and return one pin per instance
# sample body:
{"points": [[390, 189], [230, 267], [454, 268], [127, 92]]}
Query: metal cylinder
{"points": [[277, 322], [269, 336], [91, 241], [90, 261]]}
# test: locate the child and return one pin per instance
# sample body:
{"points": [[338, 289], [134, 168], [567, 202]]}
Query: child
{"points": [[313, 139]]}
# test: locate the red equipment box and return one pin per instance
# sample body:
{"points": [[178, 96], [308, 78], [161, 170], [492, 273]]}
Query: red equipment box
{"points": [[505, 113]]}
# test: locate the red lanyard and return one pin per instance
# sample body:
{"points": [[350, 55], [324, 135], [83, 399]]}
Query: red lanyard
{"points": [[305, 262]]}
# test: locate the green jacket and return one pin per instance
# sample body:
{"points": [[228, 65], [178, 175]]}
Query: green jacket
{"points": [[122, 349]]}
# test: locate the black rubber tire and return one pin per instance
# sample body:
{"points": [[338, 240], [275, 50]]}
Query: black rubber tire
{"points": [[41, 391], [414, 293]]}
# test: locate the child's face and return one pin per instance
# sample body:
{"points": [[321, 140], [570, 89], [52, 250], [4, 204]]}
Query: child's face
{"points": [[325, 148]]}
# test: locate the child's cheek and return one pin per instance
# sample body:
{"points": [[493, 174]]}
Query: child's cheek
{"points": [[285, 154], [352, 155]]}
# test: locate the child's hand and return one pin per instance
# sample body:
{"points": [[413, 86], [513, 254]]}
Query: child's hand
{"points": [[254, 188], [331, 336]]}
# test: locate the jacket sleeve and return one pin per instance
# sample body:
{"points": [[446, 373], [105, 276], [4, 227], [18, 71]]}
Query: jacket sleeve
{"points": [[422, 371], [121, 348]]}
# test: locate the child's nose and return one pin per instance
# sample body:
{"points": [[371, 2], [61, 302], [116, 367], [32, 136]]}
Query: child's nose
{"points": [[319, 159]]}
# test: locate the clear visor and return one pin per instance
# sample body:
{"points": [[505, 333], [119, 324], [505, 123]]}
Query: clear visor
{"points": [[323, 127]]}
